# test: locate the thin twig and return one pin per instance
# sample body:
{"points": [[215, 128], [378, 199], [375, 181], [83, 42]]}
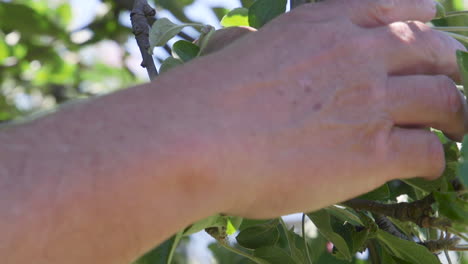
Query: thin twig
{"points": [[455, 13], [285, 229], [418, 212], [141, 11], [454, 29]]}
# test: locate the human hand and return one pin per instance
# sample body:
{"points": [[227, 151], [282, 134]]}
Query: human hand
{"points": [[330, 101]]}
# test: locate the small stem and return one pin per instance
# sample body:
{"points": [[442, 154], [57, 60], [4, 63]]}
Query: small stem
{"points": [[458, 36], [447, 257], [456, 13], [456, 29], [309, 259], [240, 252], [419, 211]]}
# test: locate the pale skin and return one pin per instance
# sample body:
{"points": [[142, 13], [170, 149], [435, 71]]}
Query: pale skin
{"points": [[265, 127]]}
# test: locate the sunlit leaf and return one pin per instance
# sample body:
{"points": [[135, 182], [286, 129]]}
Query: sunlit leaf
{"points": [[163, 30], [236, 17]]}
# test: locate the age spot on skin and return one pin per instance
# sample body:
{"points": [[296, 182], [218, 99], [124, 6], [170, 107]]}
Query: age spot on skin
{"points": [[307, 89]]}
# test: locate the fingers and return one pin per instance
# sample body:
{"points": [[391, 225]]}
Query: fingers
{"points": [[414, 48], [372, 13], [428, 101], [415, 153]]}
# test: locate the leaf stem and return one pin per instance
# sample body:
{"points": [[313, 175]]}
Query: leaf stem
{"points": [[240, 252], [285, 229], [456, 13], [309, 259], [456, 29]]}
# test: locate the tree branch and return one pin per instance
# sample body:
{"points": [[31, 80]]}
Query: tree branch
{"points": [[139, 15], [419, 212]]}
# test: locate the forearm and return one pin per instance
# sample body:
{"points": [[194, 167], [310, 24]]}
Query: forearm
{"points": [[80, 186]]}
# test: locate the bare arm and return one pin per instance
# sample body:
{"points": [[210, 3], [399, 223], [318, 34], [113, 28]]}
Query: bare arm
{"points": [[104, 181]]}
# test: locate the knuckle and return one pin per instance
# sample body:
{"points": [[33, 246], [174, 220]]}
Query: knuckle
{"points": [[382, 10], [435, 153], [401, 32], [448, 94]]}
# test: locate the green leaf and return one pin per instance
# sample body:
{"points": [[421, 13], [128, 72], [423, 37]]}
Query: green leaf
{"points": [[163, 30], [247, 3], [462, 59], [185, 50], [322, 221], [162, 254], [463, 166], [4, 51], [452, 207], [263, 11], [233, 224], [220, 12], [294, 244], [346, 215], [236, 17], [274, 255], [28, 21], [381, 193], [259, 236], [169, 63], [406, 250], [440, 11], [224, 256], [212, 221]]}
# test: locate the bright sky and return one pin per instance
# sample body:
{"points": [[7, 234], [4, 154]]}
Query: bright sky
{"points": [[85, 11]]}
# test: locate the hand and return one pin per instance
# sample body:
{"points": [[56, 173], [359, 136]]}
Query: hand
{"points": [[330, 101]]}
